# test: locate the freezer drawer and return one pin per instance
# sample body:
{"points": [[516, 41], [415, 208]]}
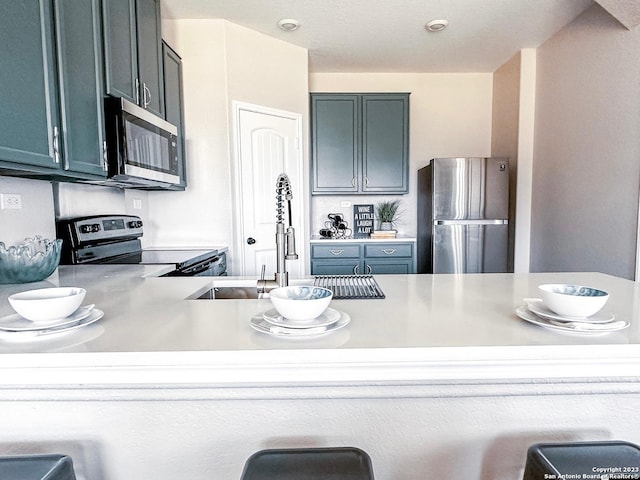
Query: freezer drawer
{"points": [[470, 248]]}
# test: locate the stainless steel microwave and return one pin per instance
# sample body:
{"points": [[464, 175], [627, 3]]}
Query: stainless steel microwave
{"points": [[141, 147]]}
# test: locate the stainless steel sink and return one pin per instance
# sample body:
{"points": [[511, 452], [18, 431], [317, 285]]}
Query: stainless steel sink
{"points": [[236, 289], [230, 293]]}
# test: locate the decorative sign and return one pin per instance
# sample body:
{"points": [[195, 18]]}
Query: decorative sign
{"points": [[363, 218]]}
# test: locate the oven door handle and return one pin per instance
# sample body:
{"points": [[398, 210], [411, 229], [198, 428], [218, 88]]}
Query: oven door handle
{"points": [[199, 267]]}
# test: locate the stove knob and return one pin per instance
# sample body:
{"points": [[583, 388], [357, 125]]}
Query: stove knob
{"points": [[135, 224], [95, 227]]}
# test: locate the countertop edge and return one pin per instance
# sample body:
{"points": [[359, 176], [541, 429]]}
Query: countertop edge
{"points": [[475, 370]]}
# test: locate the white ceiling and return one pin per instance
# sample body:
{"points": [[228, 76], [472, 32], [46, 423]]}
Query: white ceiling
{"points": [[389, 35]]}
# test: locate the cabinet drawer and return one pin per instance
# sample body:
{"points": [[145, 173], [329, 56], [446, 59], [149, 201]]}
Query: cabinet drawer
{"points": [[345, 267], [388, 250], [335, 251]]}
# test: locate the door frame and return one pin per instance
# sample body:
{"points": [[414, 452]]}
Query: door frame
{"points": [[300, 187]]}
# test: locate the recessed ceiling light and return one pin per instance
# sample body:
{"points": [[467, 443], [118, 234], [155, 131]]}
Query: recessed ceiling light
{"points": [[436, 25], [289, 24]]}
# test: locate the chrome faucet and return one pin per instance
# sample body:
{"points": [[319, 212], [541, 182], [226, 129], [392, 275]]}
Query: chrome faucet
{"points": [[285, 239]]}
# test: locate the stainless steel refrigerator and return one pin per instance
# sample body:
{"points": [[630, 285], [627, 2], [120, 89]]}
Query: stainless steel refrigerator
{"points": [[463, 206]]}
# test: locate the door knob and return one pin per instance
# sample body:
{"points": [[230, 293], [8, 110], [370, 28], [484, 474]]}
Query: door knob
{"points": [[251, 240]]}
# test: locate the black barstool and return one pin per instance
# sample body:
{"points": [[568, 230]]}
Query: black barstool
{"points": [[37, 467], [582, 460], [338, 463]]}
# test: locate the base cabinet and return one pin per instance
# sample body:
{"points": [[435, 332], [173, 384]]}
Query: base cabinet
{"points": [[363, 258]]}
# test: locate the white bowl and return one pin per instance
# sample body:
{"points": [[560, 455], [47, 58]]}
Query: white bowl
{"points": [[570, 300], [47, 303], [301, 302]]}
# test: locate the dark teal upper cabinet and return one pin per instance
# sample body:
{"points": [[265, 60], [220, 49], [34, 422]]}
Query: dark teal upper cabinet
{"points": [[133, 52], [52, 98], [173, 103], [29, 125], [79, 46], [150, 55], [360, 143], [335, 143]]}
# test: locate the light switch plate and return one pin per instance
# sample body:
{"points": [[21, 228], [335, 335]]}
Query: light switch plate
{"points": [[345, 203]]}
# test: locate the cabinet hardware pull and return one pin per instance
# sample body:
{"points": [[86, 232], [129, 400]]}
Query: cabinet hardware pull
{"points": [[137, 91], [389, 251], [366, 182], [354, 183], [369, 269], [56, 145], [355, 269], [146, 95], [336, 252], [104, 156]]}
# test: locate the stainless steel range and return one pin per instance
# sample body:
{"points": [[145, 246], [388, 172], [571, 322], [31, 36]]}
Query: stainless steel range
{"points": [[115, 239]]}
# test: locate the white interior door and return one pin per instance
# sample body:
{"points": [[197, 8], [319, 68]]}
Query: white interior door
{"points": [[268, 143]]}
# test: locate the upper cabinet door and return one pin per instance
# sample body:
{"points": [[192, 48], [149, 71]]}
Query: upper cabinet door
{"points": [[360, 143], [335, 143], [29, 130], [121, 49], [150, 56], [173, 103], [133, 52], [385, 143], [79, 42]]}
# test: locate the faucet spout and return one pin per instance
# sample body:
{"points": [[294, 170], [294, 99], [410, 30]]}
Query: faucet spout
{"points": [[285, 237]]}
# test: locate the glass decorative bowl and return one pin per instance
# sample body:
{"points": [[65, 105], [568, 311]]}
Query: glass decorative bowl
{"points": [[31, 261]]}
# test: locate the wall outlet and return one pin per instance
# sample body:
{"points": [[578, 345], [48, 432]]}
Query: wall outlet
{"points": [[137, 203], [10, 201], [345, 203]]}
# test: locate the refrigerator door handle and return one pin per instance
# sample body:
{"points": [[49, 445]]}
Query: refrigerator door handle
{"points": [[471, 222]]}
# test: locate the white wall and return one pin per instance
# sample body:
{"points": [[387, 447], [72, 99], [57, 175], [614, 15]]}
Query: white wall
{"points": [[587, 149], [449, 115]]}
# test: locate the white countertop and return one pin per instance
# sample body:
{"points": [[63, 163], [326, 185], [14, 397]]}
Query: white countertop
{"points": [[399, 238], [430, 328]]}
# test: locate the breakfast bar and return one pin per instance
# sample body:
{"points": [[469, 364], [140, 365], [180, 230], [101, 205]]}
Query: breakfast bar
{"points": [[440, 378]]}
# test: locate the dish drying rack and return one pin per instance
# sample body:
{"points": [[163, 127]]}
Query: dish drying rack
{"points": [[354, 287]]}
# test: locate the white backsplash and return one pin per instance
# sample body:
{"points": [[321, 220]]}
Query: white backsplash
{"points": [[43, 202], [322, 205], [36, 217]]}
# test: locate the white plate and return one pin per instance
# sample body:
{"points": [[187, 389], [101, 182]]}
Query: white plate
{"points": [[94, 316], [540, 309], [261, 325], [582, 328], [17, 323], [328, 317]]}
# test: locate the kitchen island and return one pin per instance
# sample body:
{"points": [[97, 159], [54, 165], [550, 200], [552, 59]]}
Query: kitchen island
{"points": [[440, 379]]}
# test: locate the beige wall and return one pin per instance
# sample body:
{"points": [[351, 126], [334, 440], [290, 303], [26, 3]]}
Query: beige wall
{"points": [[587, 148], [504, 133], [450, 115], [222, 63]]}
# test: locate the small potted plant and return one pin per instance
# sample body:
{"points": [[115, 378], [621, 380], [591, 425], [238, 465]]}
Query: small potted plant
{"points": [[387, 212]]}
